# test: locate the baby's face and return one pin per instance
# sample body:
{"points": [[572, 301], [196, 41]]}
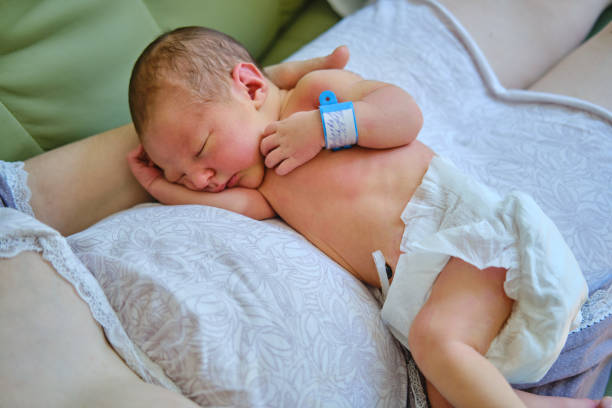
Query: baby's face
{"points": [[205, 147]]}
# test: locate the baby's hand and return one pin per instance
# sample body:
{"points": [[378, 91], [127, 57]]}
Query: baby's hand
{"points": [[145, 171], [293, 141]]}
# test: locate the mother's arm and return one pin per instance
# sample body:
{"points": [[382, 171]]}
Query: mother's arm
{"points": [[78, 184]]}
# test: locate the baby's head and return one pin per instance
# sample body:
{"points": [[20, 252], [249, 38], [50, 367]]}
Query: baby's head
{"points": [[195, 97], [195, 59]]}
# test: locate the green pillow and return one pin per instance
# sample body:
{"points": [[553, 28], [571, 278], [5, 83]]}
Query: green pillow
{"points": [[316, 17], [65, 64], [64, 69], [604, 18], [254, 23]]}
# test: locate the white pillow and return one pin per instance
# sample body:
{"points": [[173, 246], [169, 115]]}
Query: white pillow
{"points": [[243, 313]]}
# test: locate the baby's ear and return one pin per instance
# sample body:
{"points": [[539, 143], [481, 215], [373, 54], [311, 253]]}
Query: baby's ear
{"points": [[250, 80]]}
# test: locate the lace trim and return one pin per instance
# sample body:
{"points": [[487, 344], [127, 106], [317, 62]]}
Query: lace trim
{"points": [[17, 179], [597, 308], [21, 233], [416, 386]]}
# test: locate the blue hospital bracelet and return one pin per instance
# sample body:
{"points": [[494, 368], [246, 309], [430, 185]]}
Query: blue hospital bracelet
{"points": [[339, 123]]}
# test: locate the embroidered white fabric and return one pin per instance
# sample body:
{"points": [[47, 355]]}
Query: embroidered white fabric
{"points": [[241, 312], [17, 178], [597, 307], [20, 232]]}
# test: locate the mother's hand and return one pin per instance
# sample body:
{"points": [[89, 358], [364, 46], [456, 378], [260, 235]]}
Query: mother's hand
{"points": [[286, 74]]}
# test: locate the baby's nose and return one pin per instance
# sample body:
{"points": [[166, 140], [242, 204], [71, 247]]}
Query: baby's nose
{"points": [[200, 179]]}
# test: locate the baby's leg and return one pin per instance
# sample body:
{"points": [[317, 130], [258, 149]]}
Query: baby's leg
{"points": [[522, 39], [585, 73], [54, 354], [465, 311]]}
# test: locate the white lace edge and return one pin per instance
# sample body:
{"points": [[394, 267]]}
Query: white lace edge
{"points": [[22, 233], [597, 308], [17, 180]]}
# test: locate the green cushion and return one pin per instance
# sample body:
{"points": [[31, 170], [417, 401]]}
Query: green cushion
{"points": [[15, 142], [64, 69], [316, 18], [254, 23], [65, 64], [604, 18]]}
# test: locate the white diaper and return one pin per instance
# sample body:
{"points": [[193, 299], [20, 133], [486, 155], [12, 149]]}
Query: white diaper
{"points": [[452, 215]]}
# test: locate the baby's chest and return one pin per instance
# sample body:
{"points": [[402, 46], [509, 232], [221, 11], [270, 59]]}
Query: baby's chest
{"points": [[337, 193], [329, 180]]}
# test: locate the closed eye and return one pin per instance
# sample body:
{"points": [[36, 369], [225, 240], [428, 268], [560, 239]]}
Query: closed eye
{"points": [[201, 150]]}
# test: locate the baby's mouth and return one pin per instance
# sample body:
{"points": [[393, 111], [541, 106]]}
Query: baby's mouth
{"points": [[216, 189], [232, 181]]}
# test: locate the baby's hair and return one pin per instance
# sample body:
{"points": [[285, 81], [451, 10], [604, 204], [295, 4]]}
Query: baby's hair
{"points": [[198, 58]]}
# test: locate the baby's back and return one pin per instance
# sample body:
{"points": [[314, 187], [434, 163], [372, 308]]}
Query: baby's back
{"points": [[348, 203]]}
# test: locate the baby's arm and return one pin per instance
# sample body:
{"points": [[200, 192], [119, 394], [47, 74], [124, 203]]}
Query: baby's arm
{"points": [[386, 117], [244, 201]]}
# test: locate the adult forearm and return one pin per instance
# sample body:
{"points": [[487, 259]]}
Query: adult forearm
{"points": [[78, 184], [287, 74]]}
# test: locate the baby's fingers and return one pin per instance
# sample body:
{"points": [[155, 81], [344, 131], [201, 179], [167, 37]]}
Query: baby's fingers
{"points": [[135, 154], [270, 129], [287, 165], [268, 144], [273, 158], [138, 157], [142, 167]]}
